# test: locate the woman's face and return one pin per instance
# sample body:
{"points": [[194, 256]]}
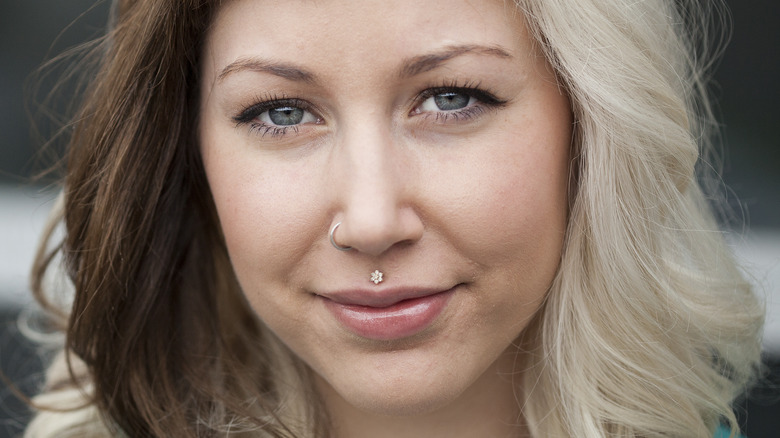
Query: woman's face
{"points": [[435, 133]]}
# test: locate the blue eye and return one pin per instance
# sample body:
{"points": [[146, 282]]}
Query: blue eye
{"points": [[448, 101], [458, 102], [287, 115], [278, 114], [274, 116], [276, 111]]}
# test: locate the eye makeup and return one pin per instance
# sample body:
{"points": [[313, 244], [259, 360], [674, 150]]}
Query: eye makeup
{"points": [[277, 116]]}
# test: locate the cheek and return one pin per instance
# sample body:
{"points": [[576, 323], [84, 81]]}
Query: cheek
{"points": [[518, 211], [518, 225], [262, 209]]}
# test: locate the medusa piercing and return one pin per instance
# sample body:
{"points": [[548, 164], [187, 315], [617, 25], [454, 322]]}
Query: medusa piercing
{"points": [[336, 245], [376, 276]]}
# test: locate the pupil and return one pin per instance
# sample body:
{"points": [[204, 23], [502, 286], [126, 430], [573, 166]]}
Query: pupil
{"points": [[287, 115], [451, 101]]}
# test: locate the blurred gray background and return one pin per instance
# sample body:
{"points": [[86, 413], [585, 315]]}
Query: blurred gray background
{"points": [[747, 89]]}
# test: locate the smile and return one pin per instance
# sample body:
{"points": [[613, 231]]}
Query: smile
{"points": [[390, 315]]}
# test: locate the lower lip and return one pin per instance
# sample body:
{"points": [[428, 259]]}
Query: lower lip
{"points": [[401, 320]]}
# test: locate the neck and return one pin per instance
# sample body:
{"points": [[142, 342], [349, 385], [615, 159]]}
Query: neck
{"points": [[489, 407]]}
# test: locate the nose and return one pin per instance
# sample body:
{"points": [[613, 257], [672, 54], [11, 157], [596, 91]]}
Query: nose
{"points": [[376, 195]]}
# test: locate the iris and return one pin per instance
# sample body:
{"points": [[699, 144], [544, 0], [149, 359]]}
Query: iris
{"points": [[286, 115], [451, 101]]}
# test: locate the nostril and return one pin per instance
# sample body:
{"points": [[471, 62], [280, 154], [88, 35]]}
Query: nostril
{"points": [[376, 234]]}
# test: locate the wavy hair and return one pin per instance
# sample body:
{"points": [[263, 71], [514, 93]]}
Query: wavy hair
{"points": [[648, 330]]}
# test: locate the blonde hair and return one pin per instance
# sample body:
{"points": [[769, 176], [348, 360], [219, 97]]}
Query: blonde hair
{"points": [[648, 330]]}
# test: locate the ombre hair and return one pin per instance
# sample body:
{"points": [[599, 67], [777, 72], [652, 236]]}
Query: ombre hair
{"points": [[648, 330]]}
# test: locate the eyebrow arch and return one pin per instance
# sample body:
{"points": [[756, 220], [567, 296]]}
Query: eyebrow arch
{"points": [[282, 70], [424, 63], [411, 67]]}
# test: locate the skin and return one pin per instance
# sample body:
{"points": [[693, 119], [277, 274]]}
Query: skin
{"points": [[475, 202]]}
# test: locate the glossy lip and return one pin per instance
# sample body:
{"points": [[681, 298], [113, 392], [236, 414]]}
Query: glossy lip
{"points": [[387, 314]]}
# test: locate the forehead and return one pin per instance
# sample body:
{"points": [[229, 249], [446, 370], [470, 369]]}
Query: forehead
{"points": [[345, 36]]}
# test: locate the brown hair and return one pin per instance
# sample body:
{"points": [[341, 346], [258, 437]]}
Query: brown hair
{"points": [[157, 317]]}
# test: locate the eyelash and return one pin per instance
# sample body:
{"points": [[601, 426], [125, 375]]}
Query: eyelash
{"points": [[484, 100], [249, 115]]}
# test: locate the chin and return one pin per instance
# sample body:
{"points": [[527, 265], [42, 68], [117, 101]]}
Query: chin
{"points": [[400, 391], [400, 402]]}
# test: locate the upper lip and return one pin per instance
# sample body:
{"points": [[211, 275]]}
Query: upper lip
{"points": [[380, 297]]}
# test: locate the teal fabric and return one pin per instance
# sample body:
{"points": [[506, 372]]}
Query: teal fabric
{"points": [[723, 432]]}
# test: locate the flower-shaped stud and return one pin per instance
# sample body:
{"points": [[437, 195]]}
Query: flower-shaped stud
{"points": [[376, 277]]}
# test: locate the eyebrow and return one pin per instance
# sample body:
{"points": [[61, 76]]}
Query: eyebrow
{"points": [[286, 71], [411, 67], [424, 63]]}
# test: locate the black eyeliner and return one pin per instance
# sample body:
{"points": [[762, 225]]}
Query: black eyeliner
{"points": [[471, 89], [253, 111]]}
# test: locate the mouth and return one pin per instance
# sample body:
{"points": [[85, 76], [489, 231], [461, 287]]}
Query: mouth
{"points": [[390, 314]]}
